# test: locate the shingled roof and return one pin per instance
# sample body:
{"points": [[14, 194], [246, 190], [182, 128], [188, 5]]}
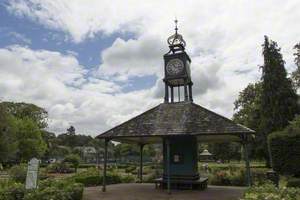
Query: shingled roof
{"points": [[170, 119]]}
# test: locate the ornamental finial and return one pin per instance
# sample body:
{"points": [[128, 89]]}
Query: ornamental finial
{"points": [[176, 39], [176, 28]]}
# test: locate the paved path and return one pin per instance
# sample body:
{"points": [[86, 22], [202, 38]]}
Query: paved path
{"points": [[146, 191]]}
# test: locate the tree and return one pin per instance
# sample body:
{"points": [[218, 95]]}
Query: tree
{"points": [[247, 108], [71, 130], [278, 98], [296, 73], [30, 141], [225, 151], [25, 110], [8, 128], [72, 140], [73, 159]]}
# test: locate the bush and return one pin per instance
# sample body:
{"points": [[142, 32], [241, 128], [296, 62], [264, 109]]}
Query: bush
{"points": [[56, 189], [48, 189], [294, 182], [285, 149], [269, 191], [18, 173], [12, 191], [236, 177], [60, 168], [88, 181], [128, 179], [130, 169], [150, 178]]}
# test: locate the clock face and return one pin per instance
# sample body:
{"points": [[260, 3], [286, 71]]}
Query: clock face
{"points": [[174, 67]]}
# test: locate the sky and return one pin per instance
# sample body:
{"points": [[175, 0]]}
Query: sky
{"points": [[96, 63]]}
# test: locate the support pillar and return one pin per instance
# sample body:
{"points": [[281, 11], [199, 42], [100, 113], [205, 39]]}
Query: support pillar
{"points": [[190, 92], [186, 97], [178, 93], [166, 93], [168, 164], [172, 94], [104, 165], [248, 173], [141, 162]]}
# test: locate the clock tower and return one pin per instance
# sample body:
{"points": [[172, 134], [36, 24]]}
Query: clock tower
{"points": [[177, 70]]}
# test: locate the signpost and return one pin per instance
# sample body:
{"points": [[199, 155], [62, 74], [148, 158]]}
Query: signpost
{"points": [[32, 174]]}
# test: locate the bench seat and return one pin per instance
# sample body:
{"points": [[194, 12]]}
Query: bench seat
{"points": [[201, 183]]}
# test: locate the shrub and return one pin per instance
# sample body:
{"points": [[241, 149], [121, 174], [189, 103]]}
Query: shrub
{"points": [[89, 180], [269, 191], [130, 169], [294, 182], [56, 189], [128, 179], [18, 173], [285, 149], [259, 176], [12, 191], [236, 177], [150, 178], [48, 189], [62, 167]]}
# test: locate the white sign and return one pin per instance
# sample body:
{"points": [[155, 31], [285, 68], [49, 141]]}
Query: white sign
{"points": [[32, 174]]}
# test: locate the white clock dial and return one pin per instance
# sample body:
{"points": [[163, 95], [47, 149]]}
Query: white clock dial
{"points": [[174, 66]]}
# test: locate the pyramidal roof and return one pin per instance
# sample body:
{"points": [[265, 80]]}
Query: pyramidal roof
{"points": [[174, 119]]}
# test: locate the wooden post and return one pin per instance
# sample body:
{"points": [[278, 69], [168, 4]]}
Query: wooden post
{"points": [[141, 162], [168, 164], [248, 173], [104, 166], [190, 92]]}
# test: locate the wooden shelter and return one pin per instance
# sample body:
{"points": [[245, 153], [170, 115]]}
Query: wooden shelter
{"points": [[178, 125]]}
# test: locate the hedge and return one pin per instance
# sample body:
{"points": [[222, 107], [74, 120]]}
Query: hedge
{"points": [[93, 177], [285, 149], [294, 182]]}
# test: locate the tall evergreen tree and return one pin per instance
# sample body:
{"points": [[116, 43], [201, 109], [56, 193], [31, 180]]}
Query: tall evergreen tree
{"points": [[278, 98]]}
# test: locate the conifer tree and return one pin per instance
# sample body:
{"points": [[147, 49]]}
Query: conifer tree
{"points": [[278, 98]]}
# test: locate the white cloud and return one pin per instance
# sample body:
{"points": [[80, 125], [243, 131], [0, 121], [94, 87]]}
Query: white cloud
{"points": [[57, 82], [223, 39], [125, 59]]}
